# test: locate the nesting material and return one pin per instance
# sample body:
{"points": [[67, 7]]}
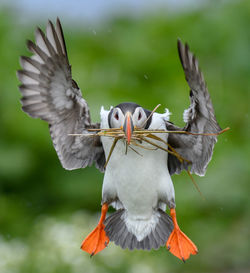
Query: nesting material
{"points": [[141, 136]]}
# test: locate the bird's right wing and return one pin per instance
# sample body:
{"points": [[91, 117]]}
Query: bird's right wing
{"points": [[50, 93]]}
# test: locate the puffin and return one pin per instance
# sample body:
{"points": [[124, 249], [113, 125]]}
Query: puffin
{"points": [[138, 175]]}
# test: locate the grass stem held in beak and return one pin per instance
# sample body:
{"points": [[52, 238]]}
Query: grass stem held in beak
{"points": [[138, 136], [111, 151]]}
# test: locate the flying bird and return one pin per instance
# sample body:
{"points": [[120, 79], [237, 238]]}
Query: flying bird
{"points": [[129, 145]]}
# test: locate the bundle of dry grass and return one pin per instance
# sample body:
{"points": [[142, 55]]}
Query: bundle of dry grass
{"points": [[141, 136]]}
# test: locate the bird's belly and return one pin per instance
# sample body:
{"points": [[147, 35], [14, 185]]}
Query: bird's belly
{"points": [[136, 189], [138, 179]]}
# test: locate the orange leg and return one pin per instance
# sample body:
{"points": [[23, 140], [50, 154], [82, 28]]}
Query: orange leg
{"points": [[178, 243], [97, 240]]}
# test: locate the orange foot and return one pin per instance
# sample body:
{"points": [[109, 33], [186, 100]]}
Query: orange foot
{"points": [[178, 243], [97, 240]]}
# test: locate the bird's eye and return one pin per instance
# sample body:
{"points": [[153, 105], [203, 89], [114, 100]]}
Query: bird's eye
{"points": [[139, 116], [116, 116]]}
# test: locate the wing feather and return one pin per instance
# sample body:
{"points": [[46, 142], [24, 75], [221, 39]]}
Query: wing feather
{"points": [[199, 118], [50, 93]]}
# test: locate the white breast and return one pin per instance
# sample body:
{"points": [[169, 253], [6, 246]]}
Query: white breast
{"points": [[139, 181]]}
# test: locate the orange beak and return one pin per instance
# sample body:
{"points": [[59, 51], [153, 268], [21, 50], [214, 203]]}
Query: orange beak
{"points": [[128, 127]]}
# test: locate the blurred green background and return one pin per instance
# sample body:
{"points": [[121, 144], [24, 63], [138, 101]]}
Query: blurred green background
{"points": [[46, 211]]}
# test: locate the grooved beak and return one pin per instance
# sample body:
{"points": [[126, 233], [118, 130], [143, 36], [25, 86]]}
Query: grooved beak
{"points": [[128, 127]]}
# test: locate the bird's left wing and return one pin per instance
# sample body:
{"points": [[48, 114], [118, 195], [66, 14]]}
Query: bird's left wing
{"points": [[199, 118], [50, 93]]}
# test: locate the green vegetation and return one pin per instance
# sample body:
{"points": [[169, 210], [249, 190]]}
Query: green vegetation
{"points": [[45, 211]]}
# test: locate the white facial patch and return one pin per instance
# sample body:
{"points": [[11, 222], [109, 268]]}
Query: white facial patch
{"points": [[104, 117]]}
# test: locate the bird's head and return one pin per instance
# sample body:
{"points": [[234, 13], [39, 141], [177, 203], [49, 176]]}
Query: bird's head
{"points": [[129, 116]]}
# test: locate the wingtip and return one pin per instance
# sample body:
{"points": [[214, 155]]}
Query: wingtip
{"points": [[21, 87], [58, 20], [187, 47], [38, 29], [179, 44], [180, 47], [29, 45], [17, 75], [49, 24], [21, 59], [38, 32]]}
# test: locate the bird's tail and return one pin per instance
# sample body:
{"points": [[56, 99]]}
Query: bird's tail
{"points": [[140, 234]]}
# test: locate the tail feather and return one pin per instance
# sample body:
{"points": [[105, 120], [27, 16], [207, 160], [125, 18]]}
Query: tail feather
{"points": [[114, 224], [126, 242], [156, 239], [160, 228], [122, 237], [147, 243], [160, 234], [131, 243], [118, 232], [119, 235]]}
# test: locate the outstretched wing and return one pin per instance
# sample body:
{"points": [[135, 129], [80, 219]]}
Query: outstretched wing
{"points": [[199, 118], [50, 93]]}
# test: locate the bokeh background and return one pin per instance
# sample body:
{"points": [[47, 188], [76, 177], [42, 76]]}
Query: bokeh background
{"points": [[125, 51]]}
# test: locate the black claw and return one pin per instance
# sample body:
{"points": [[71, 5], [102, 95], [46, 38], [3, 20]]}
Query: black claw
{"points": [[183, 260], [169, 247], [92, 254], [106, 243]]}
